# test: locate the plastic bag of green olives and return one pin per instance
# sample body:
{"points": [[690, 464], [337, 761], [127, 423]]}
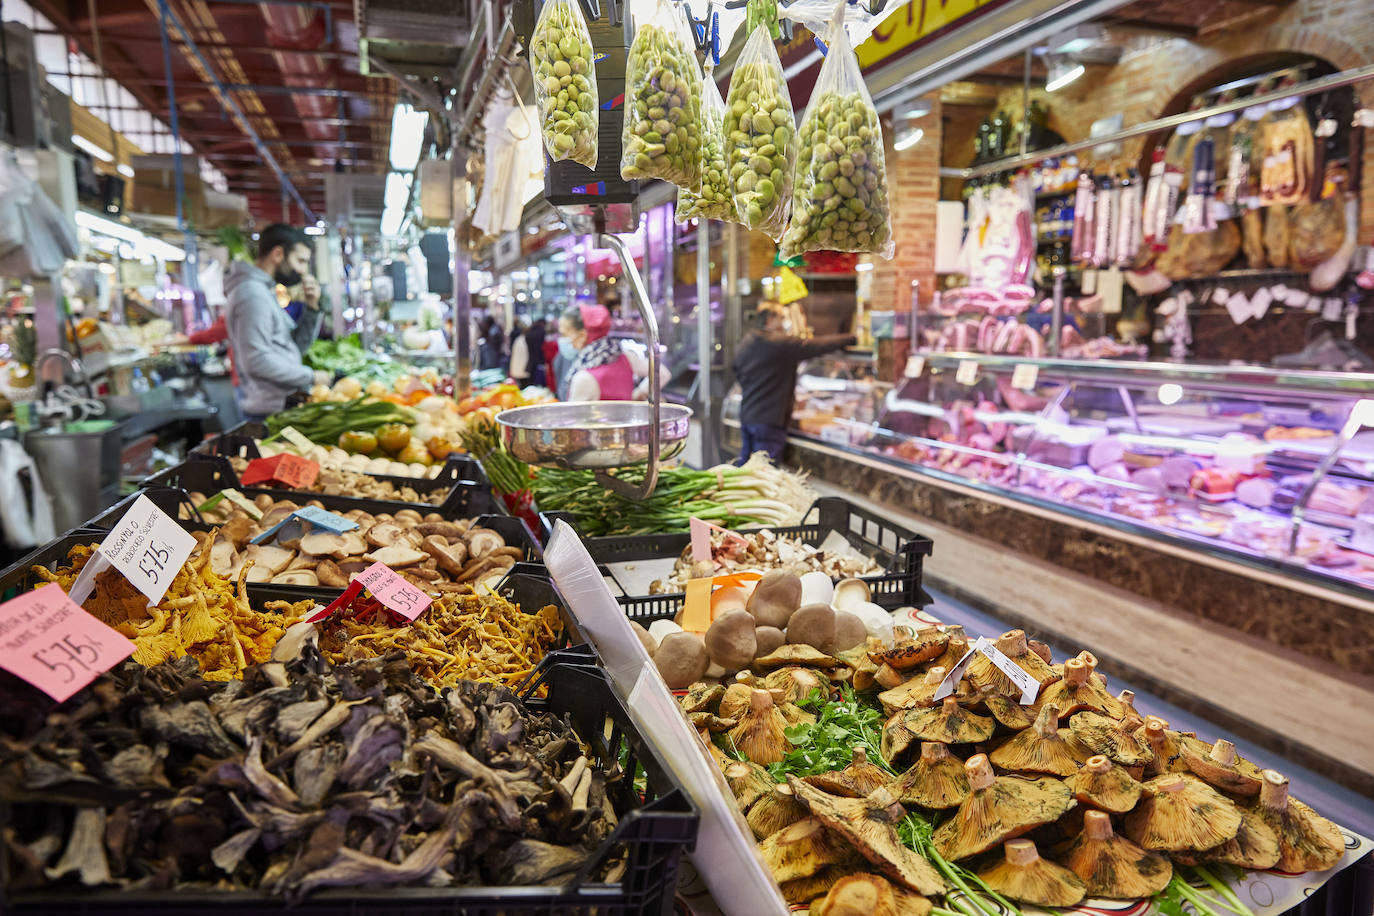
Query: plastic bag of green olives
{"points": [[563, 64], [839, 200], [662, 137], [715, 200], [760, 136]]}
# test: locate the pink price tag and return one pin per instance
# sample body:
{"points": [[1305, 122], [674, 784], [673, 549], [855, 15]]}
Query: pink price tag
{"points": [[49, 641], [395, 594], [701, 540]]}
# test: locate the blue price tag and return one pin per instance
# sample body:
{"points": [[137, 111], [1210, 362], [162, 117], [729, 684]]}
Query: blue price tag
{"points": [[317, 517]]}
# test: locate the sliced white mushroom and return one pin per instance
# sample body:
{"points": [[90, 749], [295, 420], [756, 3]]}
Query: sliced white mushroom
{"points": [[398, 555], [296, 577], [268, 558], [223, 557]]}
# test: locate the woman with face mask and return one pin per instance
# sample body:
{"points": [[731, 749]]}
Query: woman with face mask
{"points": [[601, 370]]}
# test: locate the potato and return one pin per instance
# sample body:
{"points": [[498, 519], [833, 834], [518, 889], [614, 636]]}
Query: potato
{"points": [[840, 198], [662, 136], [562, 63]]}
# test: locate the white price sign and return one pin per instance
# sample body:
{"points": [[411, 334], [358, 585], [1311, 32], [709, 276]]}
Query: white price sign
{"points": [[915, 365], [1028, 685], [147, 546], [967, 373], [1024, 376], [290, 434]]}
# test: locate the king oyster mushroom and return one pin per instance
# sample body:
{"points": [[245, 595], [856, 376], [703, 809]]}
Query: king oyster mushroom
{"points": [[870, 825], [999, 808]]}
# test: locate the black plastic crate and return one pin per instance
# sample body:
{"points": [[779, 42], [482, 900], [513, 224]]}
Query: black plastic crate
{"points": [[242, 442], [657, 824], [171, 500], [901, 553], [463, 499]]}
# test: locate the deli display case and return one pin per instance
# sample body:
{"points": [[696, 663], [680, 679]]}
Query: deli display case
{"points": [[1268, 469]]}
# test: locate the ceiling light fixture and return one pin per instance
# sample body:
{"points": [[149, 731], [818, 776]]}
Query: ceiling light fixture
{"points": [[1062, 71], [314, 230], [397, 191], [908, 138], [108, 227], [407, 136], [392, 217], [95, 150], [126, 170]]}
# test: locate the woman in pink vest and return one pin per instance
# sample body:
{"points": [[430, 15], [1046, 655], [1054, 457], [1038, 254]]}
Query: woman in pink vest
{"points": [[602, 371]]}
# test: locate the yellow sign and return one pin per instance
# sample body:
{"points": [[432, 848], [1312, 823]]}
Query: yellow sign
{"points": [[917, 20], [793, 288]]}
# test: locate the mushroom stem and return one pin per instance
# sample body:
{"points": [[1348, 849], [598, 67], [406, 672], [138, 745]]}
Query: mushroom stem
{"points": [[1089, 660], [860, 757], [1013, 643], [747, 678], [1223, 752], [760, 701], [1021, 852], [950, 706], [935, 675], [1274, 790], [979, 771], [1097, 825], [1098, 764], [1047, 721], [933, 751], [1177, 784], [1075, 672]]}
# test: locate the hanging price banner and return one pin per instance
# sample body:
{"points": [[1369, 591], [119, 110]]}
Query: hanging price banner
{"points": [[49, 641]]}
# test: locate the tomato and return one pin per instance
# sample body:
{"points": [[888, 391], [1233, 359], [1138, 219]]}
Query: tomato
{"points": [[505, 400], [358, 442], [440, 447], [468, 405], [393, 437]]}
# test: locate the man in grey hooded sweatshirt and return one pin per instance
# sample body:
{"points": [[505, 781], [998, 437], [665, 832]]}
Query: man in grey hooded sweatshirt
{"points": [[267, 343]]}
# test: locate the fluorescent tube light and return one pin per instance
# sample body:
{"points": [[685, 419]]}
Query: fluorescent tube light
{"points": [[126, 170], [98, 152], [909, 138], [314, 230], [108, 227], [392, 217], [407, 136], [397, 191], [1061, 75]]}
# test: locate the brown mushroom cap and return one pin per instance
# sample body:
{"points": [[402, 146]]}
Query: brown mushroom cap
{"points": [[760, 735], [989, 678], [949, 722], [1179, 812], [869, 895], [1022, 875], [998, 809], [1221, 767], [909, 651], [1009, 713], [1106, 785], [1078, 690], [913, 692], [1038, 749], [1307, 841], [796, 683], [1112, 866], [774, 811], [1117, 740], [801, 849], [796, 654], [936, 780], [857, 780], [870, 825], [1255, 845], [748, 781]]}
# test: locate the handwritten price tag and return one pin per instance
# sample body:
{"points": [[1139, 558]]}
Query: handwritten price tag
{"points": [[292, 435], [316, 516], [915, 365], [701, 540], [395, 593], [1024, 376], [148, 547], [49, 641], [1028, 685], [967, 373], [296, 472]]}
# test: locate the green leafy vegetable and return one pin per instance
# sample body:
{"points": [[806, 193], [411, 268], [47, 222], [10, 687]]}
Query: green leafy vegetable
{"points": [[841, 725]]}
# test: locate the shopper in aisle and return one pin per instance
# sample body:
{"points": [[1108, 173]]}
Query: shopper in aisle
{"points": [[534, 344], [266, 342], [766, 367], [491, 344], [519, 354], [602, 370]]}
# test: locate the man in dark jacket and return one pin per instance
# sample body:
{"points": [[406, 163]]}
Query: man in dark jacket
{"points": [[766, 368]]}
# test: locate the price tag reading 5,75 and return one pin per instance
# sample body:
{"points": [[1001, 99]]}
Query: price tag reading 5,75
{"points": [[394, 593], [49, 641], [148, 547]]}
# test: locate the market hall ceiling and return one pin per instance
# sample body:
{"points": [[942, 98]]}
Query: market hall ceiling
{"points": [[292, 66]]}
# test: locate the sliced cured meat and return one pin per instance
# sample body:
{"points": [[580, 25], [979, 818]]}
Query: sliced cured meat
{"points": [[1257, 492], [1105, 451]]}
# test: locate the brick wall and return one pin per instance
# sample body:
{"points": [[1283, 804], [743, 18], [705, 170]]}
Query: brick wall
{"points": [[914, 188], [1155, 74]]}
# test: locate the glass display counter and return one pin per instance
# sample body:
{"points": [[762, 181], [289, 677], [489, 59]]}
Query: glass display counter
{"points": [[1271, 468]]}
